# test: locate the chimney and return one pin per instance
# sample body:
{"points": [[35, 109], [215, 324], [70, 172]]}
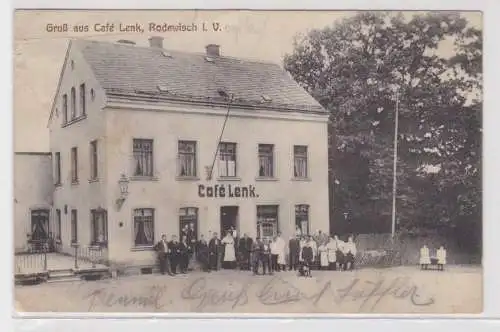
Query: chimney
{"points": [[156, 41], [213, 50]]}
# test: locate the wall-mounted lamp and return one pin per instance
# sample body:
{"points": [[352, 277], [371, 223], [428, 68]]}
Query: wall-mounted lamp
{"points": [[123, 182]]}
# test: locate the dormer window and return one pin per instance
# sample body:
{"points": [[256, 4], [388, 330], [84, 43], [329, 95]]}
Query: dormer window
{"points": [[166, 54], [209, 59], [266, 99], [162, 88]]}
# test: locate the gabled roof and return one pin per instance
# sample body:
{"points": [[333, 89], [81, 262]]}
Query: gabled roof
{"points": [[129, 71]]}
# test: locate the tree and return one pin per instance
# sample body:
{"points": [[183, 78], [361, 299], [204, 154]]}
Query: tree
{"points": [[354, 69]]}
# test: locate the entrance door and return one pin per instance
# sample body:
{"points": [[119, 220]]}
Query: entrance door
{"points": [[228, 219], [39, 225]]}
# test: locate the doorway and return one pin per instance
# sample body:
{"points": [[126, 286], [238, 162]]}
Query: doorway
{"points": [[40, 231], [228, 219]]}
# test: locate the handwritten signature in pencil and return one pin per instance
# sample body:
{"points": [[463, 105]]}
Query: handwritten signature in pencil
{"points": [[278, 291]]}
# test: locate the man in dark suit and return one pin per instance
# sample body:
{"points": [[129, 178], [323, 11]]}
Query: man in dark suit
{"points": [[213, 252], [244, 250], [294, 253], [202, 253], [163, 251], [257, 251], [184, 252], [175, 253]]}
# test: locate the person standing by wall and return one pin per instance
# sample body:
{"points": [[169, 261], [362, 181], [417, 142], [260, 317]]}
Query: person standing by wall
{"points": [[213, 252], [174, 249], [294, 252], [274, 255], [163, 251], [202, 253], [257, 252], [281, 250]]}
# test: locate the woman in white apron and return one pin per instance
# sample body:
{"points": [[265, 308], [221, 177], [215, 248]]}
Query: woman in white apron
{"points": [[302, 244], [323, 256], [331, 248], [441, 257], [425, 258], [229, 261]]}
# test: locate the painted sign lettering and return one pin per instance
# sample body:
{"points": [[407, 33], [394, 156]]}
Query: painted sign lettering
{"points": [[221, 190]]}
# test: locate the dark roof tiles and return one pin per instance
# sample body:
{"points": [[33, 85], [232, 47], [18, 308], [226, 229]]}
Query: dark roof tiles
{"points": [[133, 70]]}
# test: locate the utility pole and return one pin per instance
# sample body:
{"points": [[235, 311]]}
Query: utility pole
{"points": [[395, 161]]}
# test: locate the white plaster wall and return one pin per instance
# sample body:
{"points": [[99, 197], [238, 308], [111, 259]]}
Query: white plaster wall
{"points": [[86, 195], [166, 195]]}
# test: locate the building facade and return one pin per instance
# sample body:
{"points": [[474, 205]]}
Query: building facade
{"points": [[146, 141]]}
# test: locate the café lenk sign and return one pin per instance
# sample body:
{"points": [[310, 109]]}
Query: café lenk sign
{"points": [[222, 191]]}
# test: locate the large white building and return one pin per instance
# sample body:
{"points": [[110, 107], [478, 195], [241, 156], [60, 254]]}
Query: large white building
{"points": [[134, 133]]}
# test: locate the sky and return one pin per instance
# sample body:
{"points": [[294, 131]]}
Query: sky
{"points": [[39, 53]]}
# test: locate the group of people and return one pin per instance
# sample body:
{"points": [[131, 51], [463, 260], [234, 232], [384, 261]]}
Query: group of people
{"points": [[261, 256], [439, 260]]}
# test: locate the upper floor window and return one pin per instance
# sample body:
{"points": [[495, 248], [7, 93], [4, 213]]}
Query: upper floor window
{"points": [[65, 108], [83, 105], [73, 103], [266, 160], [74, 165], [186, 158], [57, 170], [94, 165], [300, 161], [143, 157], [227, 159]]}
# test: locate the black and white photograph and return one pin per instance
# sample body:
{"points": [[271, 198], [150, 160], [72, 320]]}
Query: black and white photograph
{"points": [[248, 162]]}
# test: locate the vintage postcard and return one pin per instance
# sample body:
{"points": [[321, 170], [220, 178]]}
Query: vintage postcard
{"points": [[264, 162]]}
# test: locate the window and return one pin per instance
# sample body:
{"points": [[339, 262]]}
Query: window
{"points": [[74, 226], [74, 165], [83, 104], [143, 227], [186, 158], [300, 161], [188, 223], [57, 165], [73, 103], [143, 157], [99, 227], [227, 159], [266, 160], [58, 225], [94, 165], [65, 108], [267, 221], [302, 218]]}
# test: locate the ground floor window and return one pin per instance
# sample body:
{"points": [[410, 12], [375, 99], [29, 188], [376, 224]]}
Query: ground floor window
{"points": [[74, 226], [99, 227], [143, 227], [302, 219], [188, 224], [267, 221], [58, 228]]}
